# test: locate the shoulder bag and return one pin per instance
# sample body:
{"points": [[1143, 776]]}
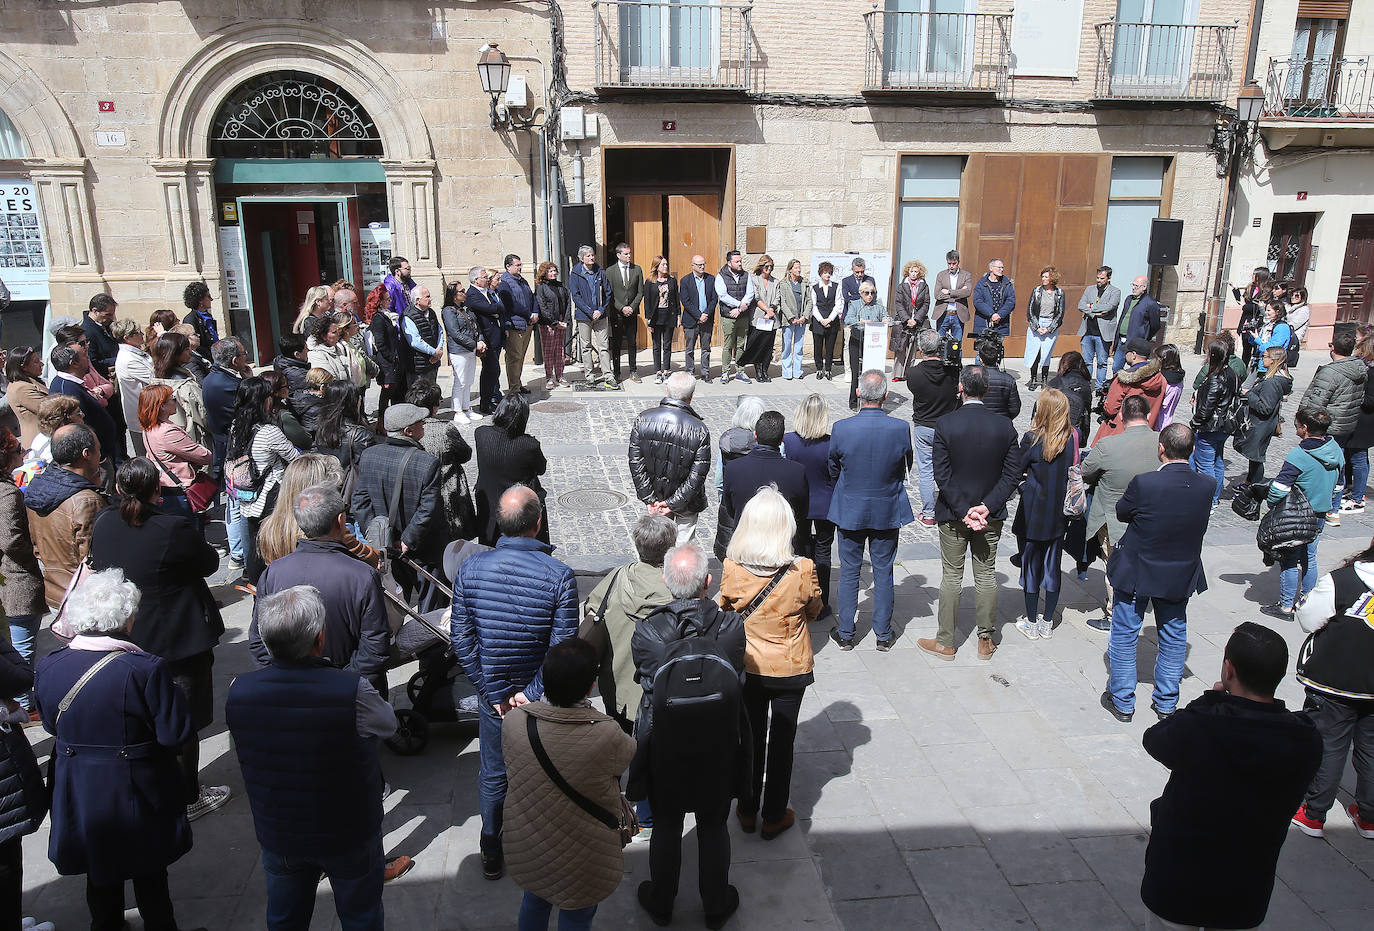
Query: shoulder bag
{"points": [[626, 825], [1289, 523], [61, 625], [1076, 494], [382, 528], [200, 494], [593, 626], [757, 601]]}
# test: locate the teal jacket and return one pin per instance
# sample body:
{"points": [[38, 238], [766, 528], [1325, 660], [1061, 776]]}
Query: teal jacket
{"points": [[1316, 467]]}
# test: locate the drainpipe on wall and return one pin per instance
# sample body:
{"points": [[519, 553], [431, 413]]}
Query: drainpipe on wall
{"points": [[1215, 312]]}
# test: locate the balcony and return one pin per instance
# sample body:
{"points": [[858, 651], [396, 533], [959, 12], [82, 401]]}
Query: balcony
{"points": [[687, 45], [1318, 102], [939, 53], [1148, 62]]}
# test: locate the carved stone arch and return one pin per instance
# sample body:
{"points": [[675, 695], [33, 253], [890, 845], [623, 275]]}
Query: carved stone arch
{"points": [[228, 59], [36, 113]]}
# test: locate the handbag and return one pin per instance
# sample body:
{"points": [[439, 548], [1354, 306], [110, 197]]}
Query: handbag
{"points": [[200, 494], [1246, 506], [61, 625], [627, 824], [593, 626], [1076, 493], [1290, 523]]}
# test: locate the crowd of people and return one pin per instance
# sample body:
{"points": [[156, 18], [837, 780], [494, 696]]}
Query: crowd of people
{"points": [[140, 434]]}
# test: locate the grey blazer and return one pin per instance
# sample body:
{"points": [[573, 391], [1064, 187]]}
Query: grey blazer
{"points": [[1111, 465], [1103, 308], [787, 303]]}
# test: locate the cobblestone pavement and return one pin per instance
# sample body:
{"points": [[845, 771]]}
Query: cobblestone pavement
{"points": [[963, 795]]}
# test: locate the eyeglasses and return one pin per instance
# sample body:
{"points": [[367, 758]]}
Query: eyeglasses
{"points": [[698, 264], [768, 266]]}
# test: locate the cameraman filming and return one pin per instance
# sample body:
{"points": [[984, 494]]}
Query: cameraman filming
{"points": [[934, 386]]}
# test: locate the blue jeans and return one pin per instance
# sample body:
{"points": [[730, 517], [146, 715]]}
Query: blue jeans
{"points": [[1208, 459], [1359, 473], [1095, 354], [535, 912], [793, 344], [1338, 492], [1119, 356], [234, 527], [355, 877], [925, 473], [491, 773], [644, 814], [1171, 621], [1297, 562], [23, 628], [882, 549], [950, 325]]}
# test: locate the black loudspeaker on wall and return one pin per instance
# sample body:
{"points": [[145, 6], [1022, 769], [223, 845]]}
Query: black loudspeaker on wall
{"points": [[579, 229], [1166, 239]]}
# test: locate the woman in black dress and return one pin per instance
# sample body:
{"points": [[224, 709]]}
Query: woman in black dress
{"points": [[506, 456]]}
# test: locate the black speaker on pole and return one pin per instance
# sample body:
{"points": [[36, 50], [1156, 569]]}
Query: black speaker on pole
{"points": [[1166, 239], [579, 229]]}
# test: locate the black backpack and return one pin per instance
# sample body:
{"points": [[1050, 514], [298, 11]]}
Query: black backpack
{"points": [[697, 697]]}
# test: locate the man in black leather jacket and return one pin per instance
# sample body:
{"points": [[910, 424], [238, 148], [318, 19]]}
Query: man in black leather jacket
{"points": [[670, 457]]}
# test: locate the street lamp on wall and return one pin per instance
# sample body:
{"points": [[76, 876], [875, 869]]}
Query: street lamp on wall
{"points": [[493, 70]]}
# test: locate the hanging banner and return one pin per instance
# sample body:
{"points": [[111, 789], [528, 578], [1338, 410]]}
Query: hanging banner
{"points": [[376, 244], [23, 253], [235, 275], [875, 346]]}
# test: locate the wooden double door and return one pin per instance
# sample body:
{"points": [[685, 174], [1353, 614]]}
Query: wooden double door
{"points": [[1031, 211], [1356, 292], [682, 224]]}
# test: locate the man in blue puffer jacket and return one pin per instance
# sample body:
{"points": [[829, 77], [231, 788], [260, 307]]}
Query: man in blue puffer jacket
{"points": [[509, 606]]}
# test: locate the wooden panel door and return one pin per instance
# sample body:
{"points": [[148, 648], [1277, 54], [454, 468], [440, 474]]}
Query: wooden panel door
{"points": [[1032, 211], [1357, 276], [693, 229], [644, 222]]}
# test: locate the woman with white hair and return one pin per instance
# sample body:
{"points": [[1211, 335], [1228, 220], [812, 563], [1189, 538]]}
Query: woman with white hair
{"points": [[776, 594], [118, 794], [738, 439]]}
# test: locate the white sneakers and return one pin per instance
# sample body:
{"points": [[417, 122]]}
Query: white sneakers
{"points": [[1031, 631], [211, 798], [33, 924]]}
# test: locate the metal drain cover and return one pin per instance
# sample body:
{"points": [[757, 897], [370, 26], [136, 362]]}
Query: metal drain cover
{"points": [[557, 407], [592, 499]]}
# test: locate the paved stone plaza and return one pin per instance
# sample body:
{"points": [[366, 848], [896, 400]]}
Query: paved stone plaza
{"points": [[964, 795]]}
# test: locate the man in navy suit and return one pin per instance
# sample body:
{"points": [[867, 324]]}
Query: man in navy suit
{"points": [[1158, 562], [764, 465], [849, 287], [697, 290], [488, 310], [71, 363], [976, 460], [870, 455], [1140, 317]]}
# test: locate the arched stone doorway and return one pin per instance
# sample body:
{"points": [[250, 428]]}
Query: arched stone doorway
{"points": [[305, 119]]}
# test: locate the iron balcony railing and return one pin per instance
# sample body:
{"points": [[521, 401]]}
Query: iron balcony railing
{"points": [[689, 44], [938, 52], [1144, 61], [1319, 89]]}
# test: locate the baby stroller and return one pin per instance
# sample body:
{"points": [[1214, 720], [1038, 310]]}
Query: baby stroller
{"points": [[438, 690]]}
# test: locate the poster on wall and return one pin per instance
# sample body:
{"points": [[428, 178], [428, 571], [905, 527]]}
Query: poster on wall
{"points": [[23, 251], [235, 276], [878, 266], [376, 243]]}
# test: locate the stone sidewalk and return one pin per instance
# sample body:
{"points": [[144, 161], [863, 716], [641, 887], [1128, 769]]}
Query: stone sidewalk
{"points": [[963, 795]]}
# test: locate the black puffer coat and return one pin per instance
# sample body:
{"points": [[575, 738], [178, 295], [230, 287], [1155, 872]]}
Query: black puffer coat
{"points": [[1214, 401], [670, 457], [1339, 388], [1003, 395], [23, 796]]}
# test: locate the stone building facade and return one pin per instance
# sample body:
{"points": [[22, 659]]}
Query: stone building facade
{"points": [[1047, 136]]}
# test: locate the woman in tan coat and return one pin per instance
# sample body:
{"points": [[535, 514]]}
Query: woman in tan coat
{"points": [[559, 853], [24, 371], [778, 660]]}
